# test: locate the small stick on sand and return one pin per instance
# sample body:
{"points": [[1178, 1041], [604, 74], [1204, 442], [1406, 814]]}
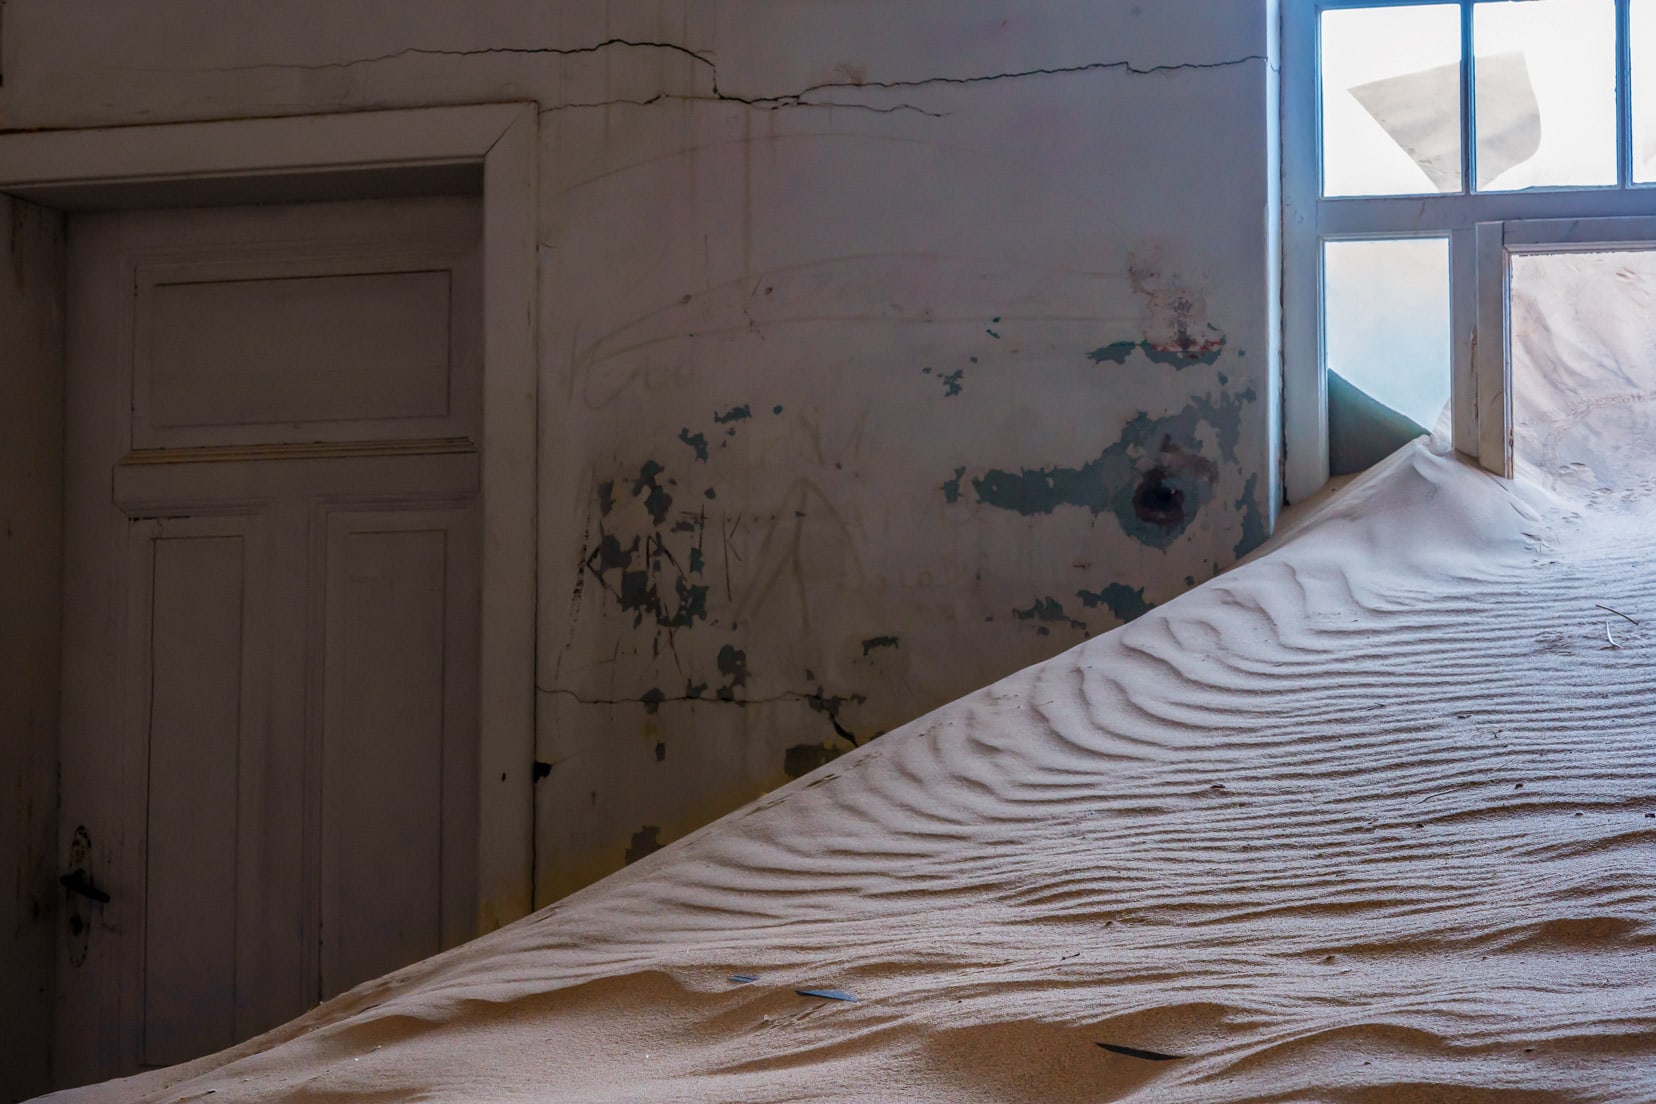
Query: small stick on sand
{"points": [[1617, 612]]}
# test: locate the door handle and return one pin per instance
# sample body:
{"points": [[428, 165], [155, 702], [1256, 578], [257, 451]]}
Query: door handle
{"points": [[78, 883]]}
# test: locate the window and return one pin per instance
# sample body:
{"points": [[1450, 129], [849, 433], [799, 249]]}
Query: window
{"points": [[1425, 142]]}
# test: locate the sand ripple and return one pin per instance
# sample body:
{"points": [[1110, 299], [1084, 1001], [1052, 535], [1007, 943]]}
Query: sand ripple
{"points": [[1366, 819]]}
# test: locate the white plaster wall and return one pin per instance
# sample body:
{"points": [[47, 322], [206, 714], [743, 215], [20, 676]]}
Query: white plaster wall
{"points": [[912, 274]]}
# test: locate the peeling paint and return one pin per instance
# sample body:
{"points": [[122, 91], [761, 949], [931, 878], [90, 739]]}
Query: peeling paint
{"points": [[1153, 484], [697, 441], [1185, 351], [733, 665], [652, 699], [645, 841], [1049, 610], [643, 575], [875, 642], [1120, 599], [658, 502], [734, 414], [1253, 519]]}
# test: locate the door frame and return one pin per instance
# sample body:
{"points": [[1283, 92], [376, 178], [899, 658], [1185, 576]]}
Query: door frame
{"points": [[490, 150]]}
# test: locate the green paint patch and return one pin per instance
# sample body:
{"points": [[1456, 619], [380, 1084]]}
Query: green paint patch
{"points": [[697, 441], [1116, 352], [951, 488], [734, 414], [875, 642], [951, 382], [1120, 599]]}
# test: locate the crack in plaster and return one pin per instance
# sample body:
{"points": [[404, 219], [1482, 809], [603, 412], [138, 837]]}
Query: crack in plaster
{"points": [[771, 102], [1062, 70], [480, 51], [766, 104]]}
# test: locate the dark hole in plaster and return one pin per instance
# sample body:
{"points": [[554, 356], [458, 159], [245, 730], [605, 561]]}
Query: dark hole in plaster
{"points": [[802, 759], [661, 751], [542, 769], [645, 841], [1157, 502]]}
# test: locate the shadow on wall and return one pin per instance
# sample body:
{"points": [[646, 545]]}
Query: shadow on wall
{"points": [[1362, 431]]}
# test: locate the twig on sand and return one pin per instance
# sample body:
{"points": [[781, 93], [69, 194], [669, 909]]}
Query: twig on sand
{"points": [[1617, 612], [1607, 635]]}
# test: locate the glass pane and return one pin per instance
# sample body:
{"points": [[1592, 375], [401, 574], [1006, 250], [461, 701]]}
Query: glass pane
{"points": [[1545, 92], [1642, 41], [1583, 348], [1391, 100], [1386, 323]]}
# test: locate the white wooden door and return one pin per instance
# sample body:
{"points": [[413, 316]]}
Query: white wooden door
{"points": [[271, 615]]}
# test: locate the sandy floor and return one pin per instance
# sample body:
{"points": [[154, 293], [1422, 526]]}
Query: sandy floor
{"points": [[1369, 818]]}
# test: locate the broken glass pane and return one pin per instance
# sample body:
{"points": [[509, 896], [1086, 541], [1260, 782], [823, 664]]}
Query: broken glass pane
{"points": [[1386, 342], [1391, 100], [1544, 75]]}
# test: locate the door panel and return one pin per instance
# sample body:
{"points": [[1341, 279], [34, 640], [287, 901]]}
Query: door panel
{"points": [[197, 643], [271, 615], [279, 356], [344, 322], [398, 671]]}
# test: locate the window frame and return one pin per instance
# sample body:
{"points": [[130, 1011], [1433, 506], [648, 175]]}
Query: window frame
{"points": [[1479, 399], [1497, 243]]}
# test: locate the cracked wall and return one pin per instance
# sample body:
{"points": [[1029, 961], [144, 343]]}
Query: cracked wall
{"points": [[885, 347]]}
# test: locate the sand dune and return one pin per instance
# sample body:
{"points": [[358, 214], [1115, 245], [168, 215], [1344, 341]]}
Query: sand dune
{"points": [[1369, 818]]}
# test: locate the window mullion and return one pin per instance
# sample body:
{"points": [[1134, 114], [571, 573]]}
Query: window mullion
{"points": [[1624, 93], [1469, 108]]}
